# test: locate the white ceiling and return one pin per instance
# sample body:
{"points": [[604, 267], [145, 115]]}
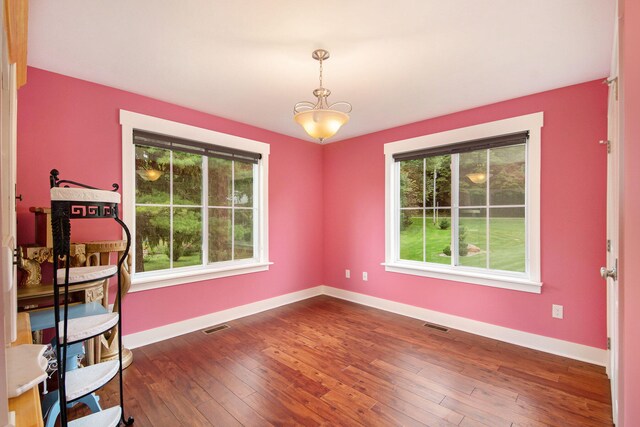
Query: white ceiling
{"points": [[397, 61]]}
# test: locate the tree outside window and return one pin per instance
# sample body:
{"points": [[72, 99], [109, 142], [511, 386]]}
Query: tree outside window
{"points": [[173, 210]]}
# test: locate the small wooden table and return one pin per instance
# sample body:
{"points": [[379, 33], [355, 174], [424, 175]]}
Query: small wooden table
{"points": [[33, 295], [41, 298], [27, 405]]}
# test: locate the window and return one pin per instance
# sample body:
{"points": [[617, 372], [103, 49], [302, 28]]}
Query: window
{"points": [[464, 205], [195, 201]]}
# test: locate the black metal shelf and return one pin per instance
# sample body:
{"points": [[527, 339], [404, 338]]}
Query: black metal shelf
{"points": [[71, 200]]}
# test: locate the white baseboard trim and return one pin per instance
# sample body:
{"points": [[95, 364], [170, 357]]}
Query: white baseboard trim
{"points": [[556, 346], [537, 342], [138, 339]]}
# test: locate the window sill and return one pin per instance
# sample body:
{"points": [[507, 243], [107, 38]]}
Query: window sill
{"points": [[493, 280], [179, 278]]}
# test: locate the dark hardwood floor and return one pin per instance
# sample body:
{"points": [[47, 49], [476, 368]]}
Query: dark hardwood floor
{"points": [[325, 361]]}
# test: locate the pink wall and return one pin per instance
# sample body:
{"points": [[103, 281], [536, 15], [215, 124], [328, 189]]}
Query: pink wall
{"points": [[572, 214], [630, 226], [62, 118], [73, 125]]}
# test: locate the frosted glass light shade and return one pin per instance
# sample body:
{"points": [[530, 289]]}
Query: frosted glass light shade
{"points": [[321, 124], [477, 177], [149, 174]]}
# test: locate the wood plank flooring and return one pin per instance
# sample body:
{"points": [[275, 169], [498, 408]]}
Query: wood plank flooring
{"points": [[325, 361]]}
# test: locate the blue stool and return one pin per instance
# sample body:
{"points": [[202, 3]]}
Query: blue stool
{"points": [[50, 405], [44, 319]]}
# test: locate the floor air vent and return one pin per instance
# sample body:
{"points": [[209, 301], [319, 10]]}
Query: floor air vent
{"points": [[215, 329], [437, 327]]}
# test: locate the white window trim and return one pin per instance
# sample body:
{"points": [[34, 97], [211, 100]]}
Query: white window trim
{"points": [[130, 121], [530, 282]]}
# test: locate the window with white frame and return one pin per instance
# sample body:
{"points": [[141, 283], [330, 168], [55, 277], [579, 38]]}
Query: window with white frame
{"points": [[195, 201], [464, 204]]}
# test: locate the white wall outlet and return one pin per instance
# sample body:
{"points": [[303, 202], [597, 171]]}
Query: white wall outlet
{"points": [[364, 276], [557, 311], [347, 274]]}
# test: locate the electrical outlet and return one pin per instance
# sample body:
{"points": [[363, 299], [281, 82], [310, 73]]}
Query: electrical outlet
{"points": [[347, 274], [557, 311], [364, 276]]}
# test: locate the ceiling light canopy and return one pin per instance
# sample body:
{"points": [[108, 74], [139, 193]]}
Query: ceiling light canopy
{"points": [[320, 119]]}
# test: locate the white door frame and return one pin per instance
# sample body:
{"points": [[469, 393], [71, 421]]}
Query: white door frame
{"points": [[8, 126], [614, 162]]}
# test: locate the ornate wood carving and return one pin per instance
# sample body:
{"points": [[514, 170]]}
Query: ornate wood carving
{"points": [[31, 258], [99, 253], [109, 340], [95, 294]]}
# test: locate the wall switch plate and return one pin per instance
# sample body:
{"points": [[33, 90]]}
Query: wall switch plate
{"points": [[347, 273], [364, 276], [557, 311]]}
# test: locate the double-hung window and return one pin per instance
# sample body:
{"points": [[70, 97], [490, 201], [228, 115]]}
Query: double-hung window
{"points": [[464, 204], [195, 200]]}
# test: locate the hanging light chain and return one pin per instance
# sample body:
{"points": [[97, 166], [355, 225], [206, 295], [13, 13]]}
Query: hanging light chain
{"points": [[320, 71]]}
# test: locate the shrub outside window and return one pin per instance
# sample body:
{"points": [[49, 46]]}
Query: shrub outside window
{"points": [[489, 219]]}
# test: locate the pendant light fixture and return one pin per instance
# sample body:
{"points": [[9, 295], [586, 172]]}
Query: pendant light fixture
{"points": [[320, 119], [477, 177], [146, 167], [149, 174]]}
